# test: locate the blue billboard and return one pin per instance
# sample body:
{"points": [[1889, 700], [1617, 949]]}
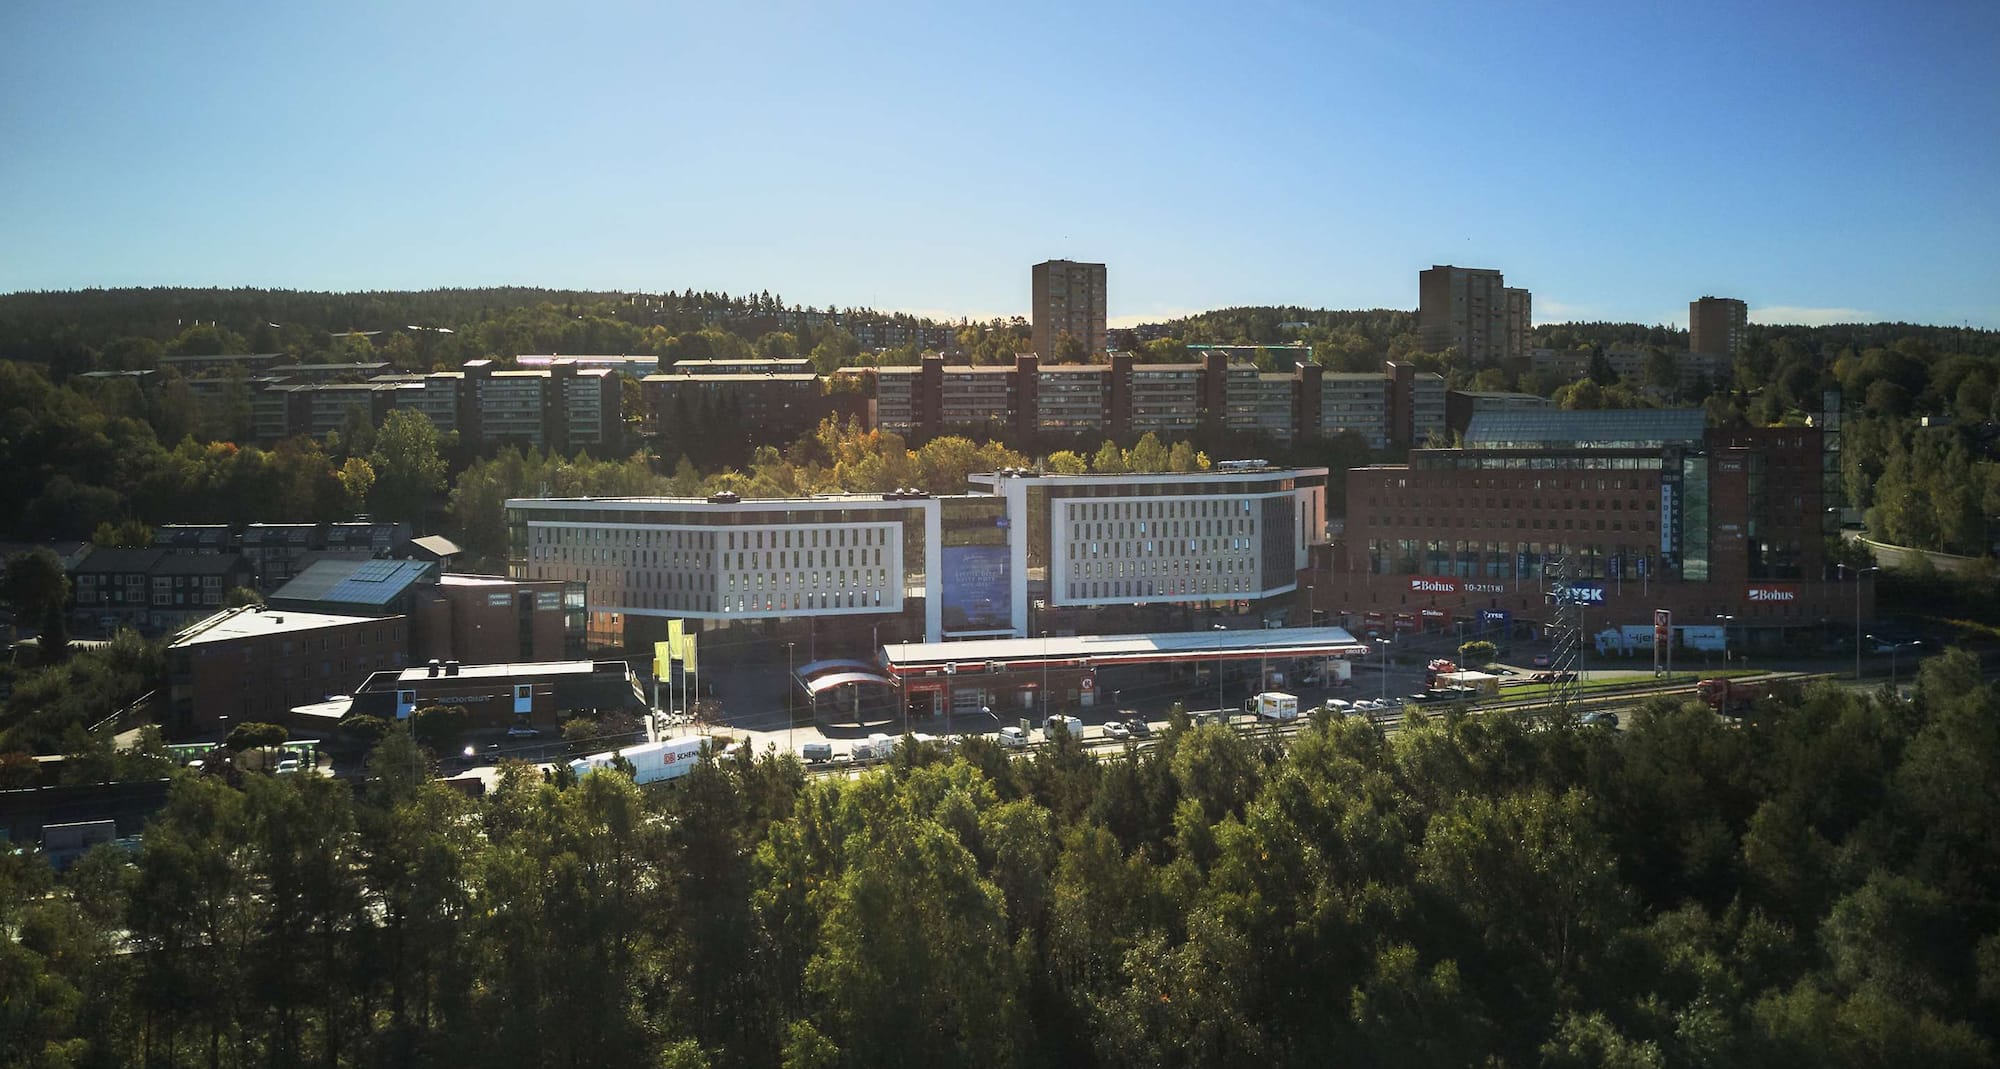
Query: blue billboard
{"points": [[978, 588]]}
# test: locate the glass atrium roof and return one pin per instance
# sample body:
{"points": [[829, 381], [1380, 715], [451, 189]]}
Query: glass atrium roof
{"points": [[1634, 428]]}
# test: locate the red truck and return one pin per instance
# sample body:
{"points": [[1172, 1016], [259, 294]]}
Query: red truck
{"points": [[1731, 697]]}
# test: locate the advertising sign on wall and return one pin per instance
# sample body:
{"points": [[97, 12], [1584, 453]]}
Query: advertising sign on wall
{"points": [[1587, 591], [977, 588], [1424, 584], [1670, 518], [1773, 593]]}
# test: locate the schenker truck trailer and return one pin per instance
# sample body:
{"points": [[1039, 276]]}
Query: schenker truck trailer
{"points": [[651, 763]]}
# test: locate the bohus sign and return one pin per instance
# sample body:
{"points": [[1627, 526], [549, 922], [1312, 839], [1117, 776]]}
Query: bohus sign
{"points": [[1424, 584], [1773, 594]]}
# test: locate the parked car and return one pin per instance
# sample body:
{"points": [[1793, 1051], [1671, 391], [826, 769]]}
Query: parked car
{"points": [[1339, 706], [1609, 720], [287, 767]]}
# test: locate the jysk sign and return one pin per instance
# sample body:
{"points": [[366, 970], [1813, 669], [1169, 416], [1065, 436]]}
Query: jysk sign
{"points": [[1584, 592], [1773, 594]]}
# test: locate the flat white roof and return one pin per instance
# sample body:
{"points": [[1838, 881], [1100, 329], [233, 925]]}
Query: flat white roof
{"points": [[331, 709], [992, 478], [419, 673], [469, 579], [753, 504], [247, 622], [907, 657]]}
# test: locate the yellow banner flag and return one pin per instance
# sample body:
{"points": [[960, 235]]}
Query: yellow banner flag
{"points": [[676, 639], [661, 655], [688, 651]]}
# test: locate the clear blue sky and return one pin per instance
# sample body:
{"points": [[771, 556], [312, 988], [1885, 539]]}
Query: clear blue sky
{"points": [[1819, 160]]}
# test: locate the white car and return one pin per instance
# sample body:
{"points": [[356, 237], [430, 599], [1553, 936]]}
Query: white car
{"points": [[287, 767], [1012, 737], [1339, 705], [1116, 730]]}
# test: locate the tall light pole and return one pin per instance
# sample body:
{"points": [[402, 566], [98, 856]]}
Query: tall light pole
{"points": [[1858, 573], [1218, 671], [1726, 621], [1045, 679], [1385, 670], [790, 681], [1893, 646]]}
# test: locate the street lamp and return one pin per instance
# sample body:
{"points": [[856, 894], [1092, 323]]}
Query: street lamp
{"points": [[1045, 677], [1893, 646], [789, 683], [1858, 573], [1726, 621], [1385, 670], [1218, 671]]}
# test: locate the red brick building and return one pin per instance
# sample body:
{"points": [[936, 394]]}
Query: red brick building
{"points": [[490, 619], [1647, 510], [255, 664]]}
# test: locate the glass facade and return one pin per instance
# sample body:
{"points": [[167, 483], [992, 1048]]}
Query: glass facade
{"points": [[1693, 518]]}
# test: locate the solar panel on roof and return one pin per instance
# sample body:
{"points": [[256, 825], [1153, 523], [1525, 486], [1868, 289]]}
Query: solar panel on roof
{"points": [[375, 571]]}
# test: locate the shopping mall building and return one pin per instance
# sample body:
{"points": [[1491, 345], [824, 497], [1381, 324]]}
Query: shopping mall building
{"points": [[1021, 554], [1644, 510]]}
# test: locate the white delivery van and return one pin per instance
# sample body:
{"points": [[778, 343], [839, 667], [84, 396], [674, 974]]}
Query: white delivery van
{"points": [[1063, 723], [1273, 705], [875, 747]]}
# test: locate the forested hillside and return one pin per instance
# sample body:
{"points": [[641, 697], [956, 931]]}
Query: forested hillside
{"points": [[122, 329], [1815, 887], [1919, 455]]}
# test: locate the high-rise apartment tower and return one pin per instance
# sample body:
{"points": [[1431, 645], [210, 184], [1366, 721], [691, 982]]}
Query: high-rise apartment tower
{"points": [[1473, 309], [1716, 325], [1068, 299]]}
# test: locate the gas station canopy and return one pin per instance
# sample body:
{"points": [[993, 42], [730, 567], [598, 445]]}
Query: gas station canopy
{"points": [[818, 684], [1185, 647]]}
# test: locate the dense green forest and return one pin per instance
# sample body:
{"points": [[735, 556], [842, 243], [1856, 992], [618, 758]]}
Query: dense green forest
{"points": [[1812, 887]]}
